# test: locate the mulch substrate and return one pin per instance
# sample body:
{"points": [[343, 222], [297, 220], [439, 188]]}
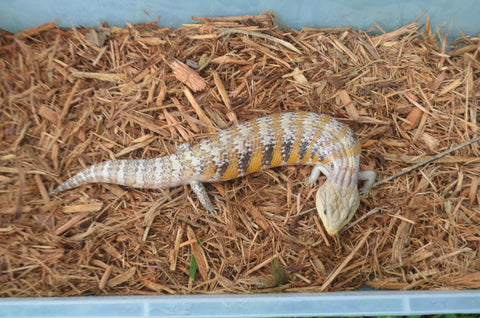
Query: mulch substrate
{"points": [[70, 98]]}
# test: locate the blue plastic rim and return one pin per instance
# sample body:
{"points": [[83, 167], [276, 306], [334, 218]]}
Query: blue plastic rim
{"points": [[462, 15], [259, 305]]}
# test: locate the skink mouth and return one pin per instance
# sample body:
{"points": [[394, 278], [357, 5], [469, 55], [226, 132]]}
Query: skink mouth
{"points": [[332, 233]]}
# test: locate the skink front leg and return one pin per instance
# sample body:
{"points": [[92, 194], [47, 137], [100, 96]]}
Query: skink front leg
{"points": [[310, 181], [368, 177]]}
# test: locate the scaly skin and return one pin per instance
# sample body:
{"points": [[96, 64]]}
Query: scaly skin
{"points": [[258, 144]]}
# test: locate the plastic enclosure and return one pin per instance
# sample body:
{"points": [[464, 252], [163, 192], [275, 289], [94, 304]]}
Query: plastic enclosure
{"points": [[259, 305], [462, 15], [22, 14]]}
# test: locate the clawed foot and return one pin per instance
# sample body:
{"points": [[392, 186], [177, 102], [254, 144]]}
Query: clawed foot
{"points": [[369, 177], [365, 192], [308, 182]]}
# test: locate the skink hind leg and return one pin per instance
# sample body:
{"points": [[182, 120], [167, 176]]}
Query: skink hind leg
{"points": [[202, 195], [368, 177]]}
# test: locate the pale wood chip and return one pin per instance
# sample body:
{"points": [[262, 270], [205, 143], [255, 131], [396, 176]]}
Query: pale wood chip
{"points": [[188, 76]]}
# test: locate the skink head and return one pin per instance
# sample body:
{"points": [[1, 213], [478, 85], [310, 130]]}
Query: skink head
{"points": [[336, 205]]}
